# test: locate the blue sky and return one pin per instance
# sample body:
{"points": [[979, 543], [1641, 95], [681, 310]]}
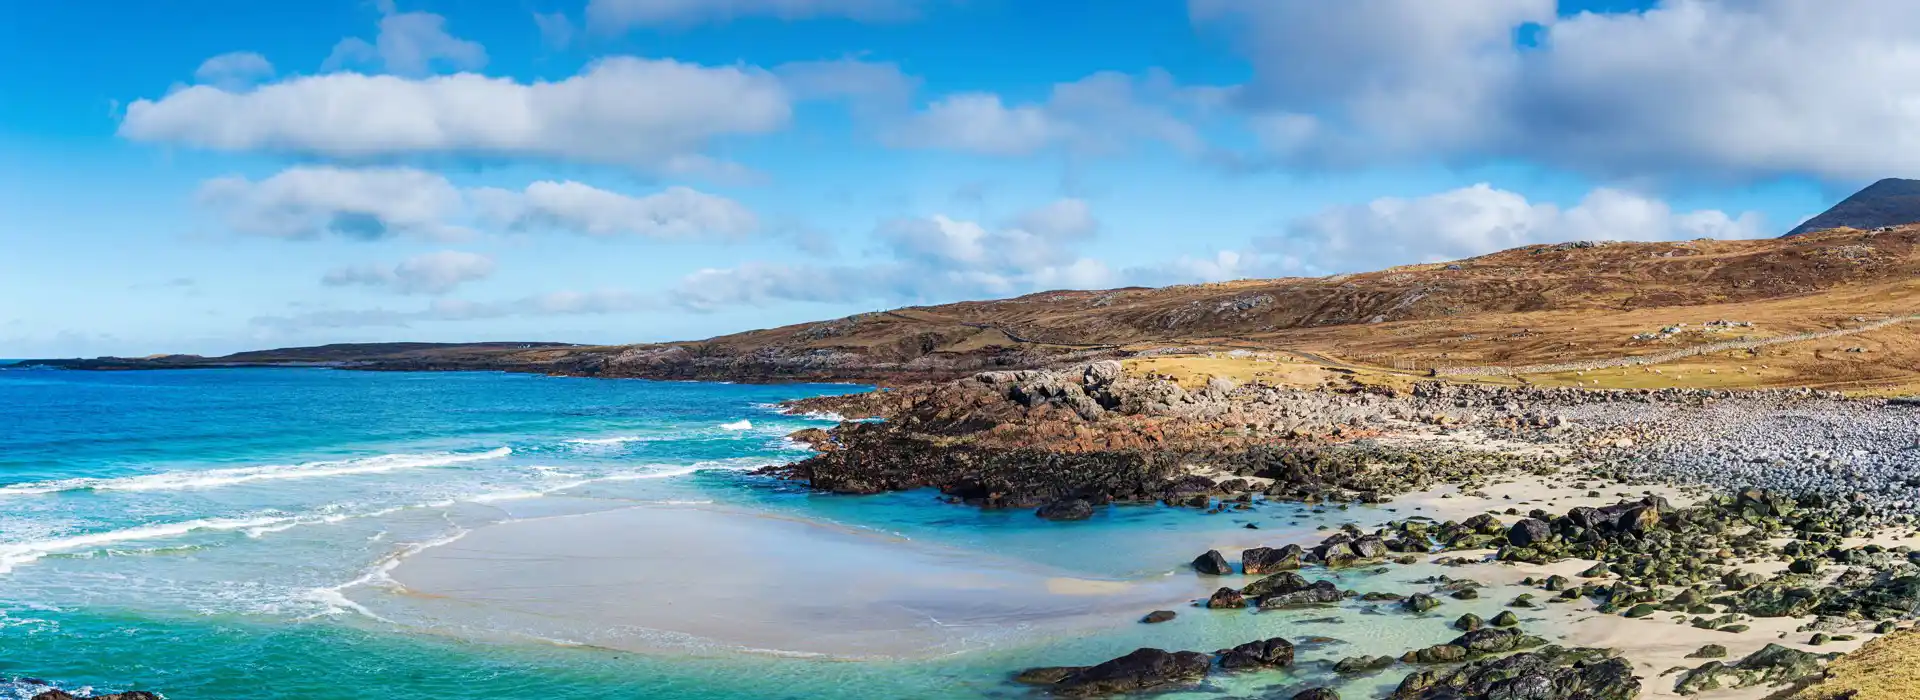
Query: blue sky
{"points": [[224, 175]]}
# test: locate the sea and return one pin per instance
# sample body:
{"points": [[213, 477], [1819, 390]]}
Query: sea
{"points": [[216, 533]]}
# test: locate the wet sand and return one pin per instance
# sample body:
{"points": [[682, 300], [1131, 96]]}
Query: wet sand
{"points": [[684, 578]]}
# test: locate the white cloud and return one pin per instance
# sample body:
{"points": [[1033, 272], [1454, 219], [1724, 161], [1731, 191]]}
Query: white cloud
{"points": [[1102, 113], [620, 15], [1743, 89], [1223, 266], [314, 201], [563, 303], [935, 258], [675, 213], [430, 273], [629, 111], [1478, 220], [234, 71], [409, 43]]}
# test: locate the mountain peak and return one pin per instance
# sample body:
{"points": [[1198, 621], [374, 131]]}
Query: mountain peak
{"points": [[1889, 202]]}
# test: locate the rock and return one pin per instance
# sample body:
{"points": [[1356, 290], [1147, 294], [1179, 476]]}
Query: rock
{"points": [[1549, 674], [1212, 563], [1144, 669], [1157, 617], [1772, 665], [1316, 694], [1506, 618], [1420, 602], [1495, 641], [1283, 582], [1226, 599], [1710, 651], [1066, 509], [1046, 675], [1529, 532], [1642, 610], [1265, 560], [1320, 593], [1436, 654], [1469, 622], [1804, 566], [1269, 653], [1362, 664]]}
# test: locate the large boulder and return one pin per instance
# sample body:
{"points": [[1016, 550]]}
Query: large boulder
{"points": [[1528, 532], [1550, 674], [1213, 563], [1144, 669], [1268, 653], [1266, 560]]}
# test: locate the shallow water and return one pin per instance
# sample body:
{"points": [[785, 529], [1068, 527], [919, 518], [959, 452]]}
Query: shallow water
{"points": [[237, 533]]}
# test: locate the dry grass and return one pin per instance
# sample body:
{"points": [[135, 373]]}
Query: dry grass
{"points": [[1887, 668]]}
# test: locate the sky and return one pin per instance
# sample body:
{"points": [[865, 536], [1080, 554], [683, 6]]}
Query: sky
{"points": [[220, 175]]}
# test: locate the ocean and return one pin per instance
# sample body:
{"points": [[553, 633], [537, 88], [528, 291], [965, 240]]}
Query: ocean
{"points": [[244, 534]]}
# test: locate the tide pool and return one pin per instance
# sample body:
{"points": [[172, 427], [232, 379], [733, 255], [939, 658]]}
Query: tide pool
{"points": [[230, 533]]}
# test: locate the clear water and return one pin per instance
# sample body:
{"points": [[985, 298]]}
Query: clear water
{"points": [[200, 533]]}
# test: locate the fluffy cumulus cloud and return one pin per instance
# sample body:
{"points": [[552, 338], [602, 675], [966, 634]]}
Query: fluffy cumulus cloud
{"points": [[1103, 113], [923, 259], [1746, 89], [314, 201], [620, 15], [309, 202], [674, 213], [658, 114], [1477, 220], [409, 43], [237, 70], [430, 273]]}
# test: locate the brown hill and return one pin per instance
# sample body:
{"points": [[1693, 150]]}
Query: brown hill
{"points": [[1545, 303]]}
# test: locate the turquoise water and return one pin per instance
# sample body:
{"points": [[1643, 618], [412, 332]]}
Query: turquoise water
{"points": [[200, 533]]}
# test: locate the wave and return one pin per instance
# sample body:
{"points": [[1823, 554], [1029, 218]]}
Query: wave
{"points": [[172, 481], [12, 555], [618, 440], [741, 424]]}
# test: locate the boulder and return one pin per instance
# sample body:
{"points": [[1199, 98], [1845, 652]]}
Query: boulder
{"points": [[1144, 669], [1213, 563], [1316, 694], [1268, 653], [1158, 616], [1226, 599], [1266, 560], [1528, 532]]}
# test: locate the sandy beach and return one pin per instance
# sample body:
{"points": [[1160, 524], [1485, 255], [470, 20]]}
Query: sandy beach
{"points": [[702, 578]]}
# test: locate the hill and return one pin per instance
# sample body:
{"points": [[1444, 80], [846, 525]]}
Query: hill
{"points": [[1580, 302], [1889, 202]]}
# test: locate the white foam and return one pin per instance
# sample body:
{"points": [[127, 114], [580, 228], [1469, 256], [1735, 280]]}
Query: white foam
{"points": [[380, 574], [172, 481], [616, 440], [26, 552], [741, 424]]}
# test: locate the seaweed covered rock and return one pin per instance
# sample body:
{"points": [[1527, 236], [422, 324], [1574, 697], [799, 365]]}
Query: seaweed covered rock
{"points": [[1772, 665], [1552, 673], [1066, 509], [1226, 599]]}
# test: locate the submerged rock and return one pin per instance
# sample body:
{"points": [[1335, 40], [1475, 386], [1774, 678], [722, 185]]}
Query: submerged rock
{"points": [[1226, 599], [1158, 616]]}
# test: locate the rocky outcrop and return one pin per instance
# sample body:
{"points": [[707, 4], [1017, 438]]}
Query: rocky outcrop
{"points": [[1144, 669]]}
